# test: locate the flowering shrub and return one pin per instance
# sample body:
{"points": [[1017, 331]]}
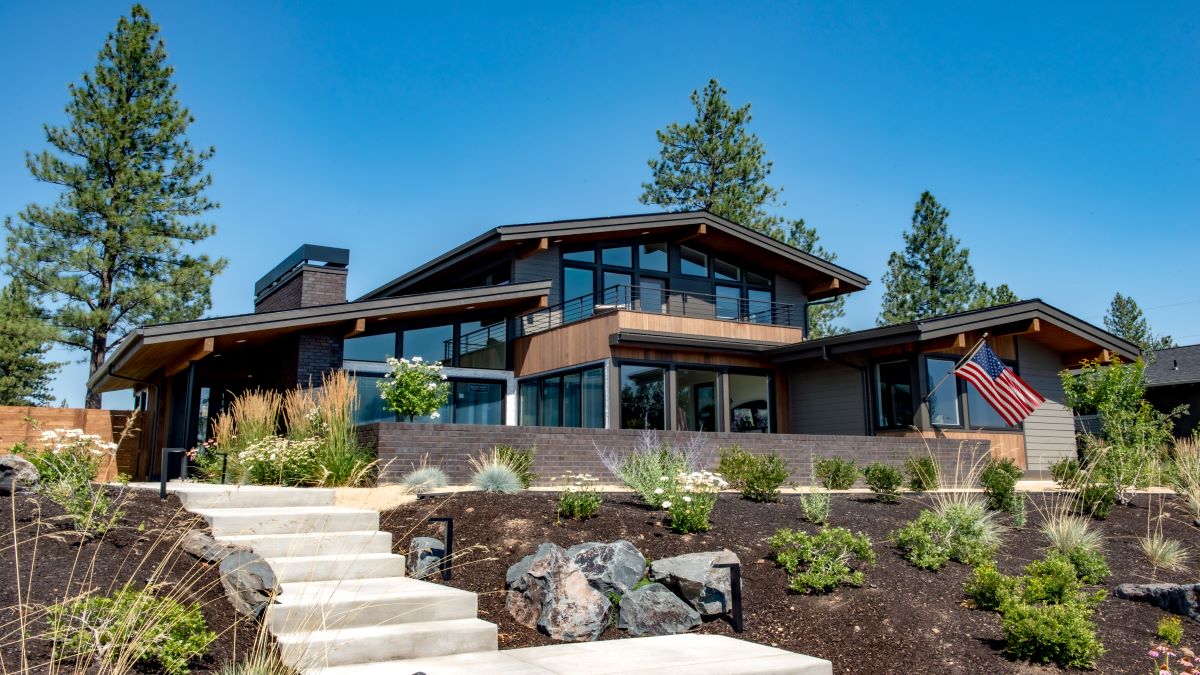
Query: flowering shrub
{"points": [[690, 499], [414, 388], [820, 563], [1170, 629], [579, 498], [1162, 655], [68, 461], [280, 461]]}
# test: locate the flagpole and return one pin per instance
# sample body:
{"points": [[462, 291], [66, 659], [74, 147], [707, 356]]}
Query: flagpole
{"points": [[958, 363]]}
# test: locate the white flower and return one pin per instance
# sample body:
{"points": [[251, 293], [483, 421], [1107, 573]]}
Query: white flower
{"points": [[662, 478], [434, 415], [666, 505], [687, 499], [658, 491], [417, 359]]}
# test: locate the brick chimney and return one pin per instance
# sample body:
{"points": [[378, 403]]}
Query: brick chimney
{"points": [[312, 275]]}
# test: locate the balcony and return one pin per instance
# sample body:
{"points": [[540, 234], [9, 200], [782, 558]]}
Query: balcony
{"points": [[660, 301]]}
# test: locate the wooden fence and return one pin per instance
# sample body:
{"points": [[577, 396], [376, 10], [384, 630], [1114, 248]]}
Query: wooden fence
{"points": [[19, 424]]}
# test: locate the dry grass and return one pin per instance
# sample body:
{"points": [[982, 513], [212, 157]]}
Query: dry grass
{"points": [[256, 415]]}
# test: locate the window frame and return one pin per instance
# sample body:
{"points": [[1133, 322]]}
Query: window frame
{"points": [[537, 382], [962, 397], [913, 385]]}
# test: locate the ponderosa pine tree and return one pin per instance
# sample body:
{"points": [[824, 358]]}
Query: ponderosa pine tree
{"points": [[714, 163], [987, 296], [25, 338], [1125, 320], [109, 253]]}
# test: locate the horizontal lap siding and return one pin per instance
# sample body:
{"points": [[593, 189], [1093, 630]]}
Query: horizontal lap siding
{"points": [[539, 267], [826, 398], [1050, 430]]}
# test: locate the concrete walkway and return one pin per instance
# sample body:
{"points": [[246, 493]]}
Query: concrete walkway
{"points": [[346, 607]]}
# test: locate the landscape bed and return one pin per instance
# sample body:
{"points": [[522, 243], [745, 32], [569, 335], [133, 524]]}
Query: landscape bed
{"points": [[145, 537], [903, 619]]}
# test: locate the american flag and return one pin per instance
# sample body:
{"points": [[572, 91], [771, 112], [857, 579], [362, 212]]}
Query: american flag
{"points": [[999, 385]]}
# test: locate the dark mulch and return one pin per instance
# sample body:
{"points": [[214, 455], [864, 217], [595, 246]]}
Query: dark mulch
{"points": [[56, 563], [903, 620]]}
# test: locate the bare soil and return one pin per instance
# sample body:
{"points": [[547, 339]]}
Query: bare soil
{"points": [[46, 561], [903, 620]]}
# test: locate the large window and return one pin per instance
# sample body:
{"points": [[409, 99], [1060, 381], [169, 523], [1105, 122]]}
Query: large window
{"points": [[431, 344], [980, 413], [749, 402], [574, 399], [943, 401], [474, 345], [642, 390], [482, 346], [378, 348], [696, 403], [470, 402], [893, 395]]}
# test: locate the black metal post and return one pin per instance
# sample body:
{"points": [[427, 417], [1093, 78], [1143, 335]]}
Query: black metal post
{"points": [[162, 473], [448, 553], [735, 589], [224, 467]]}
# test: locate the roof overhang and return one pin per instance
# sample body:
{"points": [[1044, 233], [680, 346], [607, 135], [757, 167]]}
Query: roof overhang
{"points": [[658, 339], [152, 350], [822, 278], [1074, 338]]}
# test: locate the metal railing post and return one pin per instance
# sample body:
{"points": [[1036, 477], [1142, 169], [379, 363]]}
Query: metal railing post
{"points": [[735, 590], [448, 552]]}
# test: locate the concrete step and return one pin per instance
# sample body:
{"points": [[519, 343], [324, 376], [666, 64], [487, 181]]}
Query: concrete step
{"points": [[477, 663], [288, 520], [338, 566], [323, 605], [372, 644], [251, 496], [313, 543]]}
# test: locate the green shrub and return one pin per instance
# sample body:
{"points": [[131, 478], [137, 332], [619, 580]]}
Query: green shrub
{"points": [[425, 478], [1095, 500], [1051, 581], [650, 471], [1066, 473], [884, 481], [495, 477], [68, 463], [999, 480], [816, 506], [835, 473], [579, 499], [1062, 634], [757, 477], [820, 563], [962, 531], [691, 499], [131, 627], [922, 473], [520, 460], [1019, 513], [1090, 566], [989, 588], [1170, 630]]}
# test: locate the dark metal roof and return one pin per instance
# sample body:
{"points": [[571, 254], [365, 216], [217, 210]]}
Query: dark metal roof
{"points": [[952, 324], [614, 224], [1177, 365], [308, 253]]}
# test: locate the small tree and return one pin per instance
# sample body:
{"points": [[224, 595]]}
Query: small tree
{"points": [[1125, 320], [24, 340], [414, 388]]}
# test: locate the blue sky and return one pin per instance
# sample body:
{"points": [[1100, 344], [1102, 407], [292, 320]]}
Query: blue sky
{"points": [[1064, 139]]}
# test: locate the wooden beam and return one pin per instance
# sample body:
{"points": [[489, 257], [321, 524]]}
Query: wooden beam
{"points": [[360, 327], [823, 287], [700, 231], [541, 246], [1074, 359], [200, 351]]}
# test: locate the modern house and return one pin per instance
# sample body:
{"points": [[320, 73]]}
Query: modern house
{"points": [[1172, 380], [681, 322]]}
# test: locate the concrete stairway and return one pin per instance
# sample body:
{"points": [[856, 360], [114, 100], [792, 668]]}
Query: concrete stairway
{"points": [[345, 606]]}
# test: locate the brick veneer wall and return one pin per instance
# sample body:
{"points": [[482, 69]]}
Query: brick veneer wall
{"points": [[569, 451], [308, 286], [317, 354]]}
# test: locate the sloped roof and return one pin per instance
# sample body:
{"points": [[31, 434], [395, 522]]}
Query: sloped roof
{"points": [[1177, 365]]}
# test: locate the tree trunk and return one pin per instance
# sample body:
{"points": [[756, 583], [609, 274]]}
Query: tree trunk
{"points": [[98, 349]]}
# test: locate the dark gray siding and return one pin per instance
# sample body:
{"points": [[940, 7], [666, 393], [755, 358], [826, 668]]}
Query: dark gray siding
{"points": [[792, 293], [825, 398], [541, 266], [1050, 430]]}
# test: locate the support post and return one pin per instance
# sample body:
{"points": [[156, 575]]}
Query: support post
{"points": [[735, 589], [448, 533]]}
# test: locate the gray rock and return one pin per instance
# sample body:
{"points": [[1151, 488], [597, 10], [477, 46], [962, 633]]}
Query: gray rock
{"points": [[201, 545], [610, 568], [693, 579], [248, 581], [549, 592], [655, 610], [1181, 599], [1196, 522], [17, 472], [424, 556]]}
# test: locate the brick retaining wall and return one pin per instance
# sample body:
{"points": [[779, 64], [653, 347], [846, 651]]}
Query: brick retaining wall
{"points": [[569, 451]]}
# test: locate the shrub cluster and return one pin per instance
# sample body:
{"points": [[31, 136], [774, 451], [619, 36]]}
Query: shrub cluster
{"points": [[922, 473], [69, 461], [835, 473], [579, 499], [962, 530], [1170, 630], [757, 477], [648, 472], [690, 498], [520, 460], [130, 627], [999, 480], [425, 478], [1074, 538], [884, 481], [819, 563]]}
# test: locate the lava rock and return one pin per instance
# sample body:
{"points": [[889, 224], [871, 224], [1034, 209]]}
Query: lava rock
{"points": [[249, 582], [610, 568], [16, 472], [1181, 599], [425, 556], [654, 610], [549, 592], [693, 578], [201, 545]]}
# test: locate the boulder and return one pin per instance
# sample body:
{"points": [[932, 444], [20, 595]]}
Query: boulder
{"points": [[425, 556], [610, 568], [693, 578], [248, 581], [201, 545], [549, 592], [1181, 599], [16, 472], [654, 610]]}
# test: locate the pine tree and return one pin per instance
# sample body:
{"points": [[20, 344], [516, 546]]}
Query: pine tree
{"points": [[933, 275], [986, 296], [25, 337], [108, 254], [714, 164], [1125, 320]]}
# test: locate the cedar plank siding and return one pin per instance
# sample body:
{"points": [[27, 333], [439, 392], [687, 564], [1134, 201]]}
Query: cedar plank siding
{"points": [[1050, 430], [540, 266], [825, 398]]}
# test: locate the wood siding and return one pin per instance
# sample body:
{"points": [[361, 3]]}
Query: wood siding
{"points": [[1050, 430], [1004, 444], [20, 424], [825, 398], [541, 266]]}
